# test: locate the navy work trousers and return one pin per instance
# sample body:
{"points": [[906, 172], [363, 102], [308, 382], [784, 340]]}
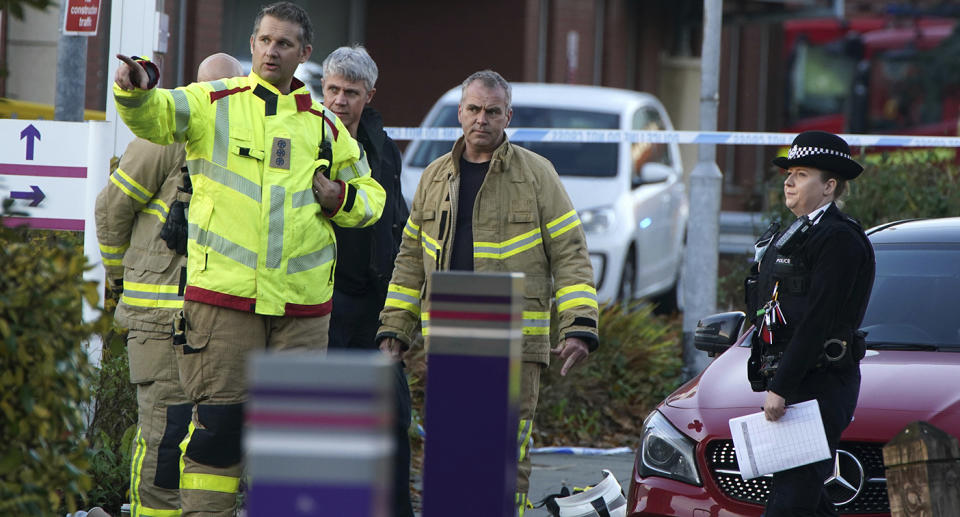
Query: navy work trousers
{"points": [[353, 325], [800, 492]]}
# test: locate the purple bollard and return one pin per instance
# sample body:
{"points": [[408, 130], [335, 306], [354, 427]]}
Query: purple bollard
{"points": [[318, 438], [473, 387]]}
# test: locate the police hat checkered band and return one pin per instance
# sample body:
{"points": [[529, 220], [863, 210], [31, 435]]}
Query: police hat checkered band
{"points": [[799, 152]]}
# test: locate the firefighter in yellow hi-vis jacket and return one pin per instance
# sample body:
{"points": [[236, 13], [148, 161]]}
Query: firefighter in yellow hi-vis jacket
{"points": [[271, 170], [492, 206], [149, 272]]}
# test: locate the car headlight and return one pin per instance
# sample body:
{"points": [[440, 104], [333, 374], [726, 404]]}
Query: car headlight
{"points": [[597, 220], [666, 452]]}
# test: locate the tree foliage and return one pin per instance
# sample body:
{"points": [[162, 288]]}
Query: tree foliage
{"points": [[16, 7]]}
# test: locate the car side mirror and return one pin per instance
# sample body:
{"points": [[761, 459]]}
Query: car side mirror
{"points": [[718, 332], [652, 172]]}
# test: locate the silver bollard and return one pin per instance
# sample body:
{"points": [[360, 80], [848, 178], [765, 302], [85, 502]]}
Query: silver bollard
{"points": [[318, 438], [473, 386]]}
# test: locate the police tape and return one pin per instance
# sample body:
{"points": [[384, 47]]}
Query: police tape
{"points": [[666, 137]]}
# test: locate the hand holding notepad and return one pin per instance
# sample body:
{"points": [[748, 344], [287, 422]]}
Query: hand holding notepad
{"points": [[764, 447]]}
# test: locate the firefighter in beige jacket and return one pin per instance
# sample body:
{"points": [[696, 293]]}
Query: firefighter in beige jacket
{"points": [[130, 212], [492, 206]]}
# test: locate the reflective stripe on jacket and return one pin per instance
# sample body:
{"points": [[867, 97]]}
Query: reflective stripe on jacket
{"points": [[523, 221], [129, 213], [258, 239]]}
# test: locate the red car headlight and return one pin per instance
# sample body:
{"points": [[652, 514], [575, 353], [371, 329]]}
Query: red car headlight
{"points": [[666, 452]]}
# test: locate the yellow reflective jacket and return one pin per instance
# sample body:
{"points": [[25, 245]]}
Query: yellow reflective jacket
{"points": [[129, 213], [258, 239], [523, 221]]}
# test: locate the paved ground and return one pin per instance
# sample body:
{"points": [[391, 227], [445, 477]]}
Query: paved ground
{"points": [[553, 471]]}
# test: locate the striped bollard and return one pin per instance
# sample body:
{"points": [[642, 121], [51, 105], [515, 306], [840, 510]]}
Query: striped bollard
{"points": [[473, 388], [318, 439]]}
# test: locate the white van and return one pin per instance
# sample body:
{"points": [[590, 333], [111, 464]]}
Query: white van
{"points": [[631, 197]]}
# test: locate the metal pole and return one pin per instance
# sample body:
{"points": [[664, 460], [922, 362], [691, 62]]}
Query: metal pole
{"points": [[357, 22], [599, 22], [71, 75], [182, 44], [542, 27], [700, 266]]}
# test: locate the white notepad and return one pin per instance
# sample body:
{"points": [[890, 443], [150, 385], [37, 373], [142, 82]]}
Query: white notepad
{"points": [[765, 447]]}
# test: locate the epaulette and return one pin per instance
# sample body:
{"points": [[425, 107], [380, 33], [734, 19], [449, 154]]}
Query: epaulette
{"points": [[852, 221]]}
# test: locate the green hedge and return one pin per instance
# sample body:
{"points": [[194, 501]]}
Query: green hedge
{"points": [[603, 402], [45, 377], [898, 186], [113, 428]]}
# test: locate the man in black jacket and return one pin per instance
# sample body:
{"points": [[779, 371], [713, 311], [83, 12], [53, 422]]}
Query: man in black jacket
{"points": [[813, 284], [365, 256]]}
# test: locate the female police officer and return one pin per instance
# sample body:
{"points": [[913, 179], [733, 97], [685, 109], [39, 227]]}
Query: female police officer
{"points": [[819, 271]]}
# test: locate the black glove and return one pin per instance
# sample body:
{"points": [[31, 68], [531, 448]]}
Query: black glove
{"points": [[174, 231], [152, 70]]}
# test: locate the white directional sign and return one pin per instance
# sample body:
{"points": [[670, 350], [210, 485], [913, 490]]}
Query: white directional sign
{"points": [[53, 171], [45, 172]]}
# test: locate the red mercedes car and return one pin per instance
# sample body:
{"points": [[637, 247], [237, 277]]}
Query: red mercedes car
{"points": [[686, 464]]}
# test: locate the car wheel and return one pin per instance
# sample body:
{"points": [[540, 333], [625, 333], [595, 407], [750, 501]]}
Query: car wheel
{"points": [[667, 303], [628, 278], [671, 301]]}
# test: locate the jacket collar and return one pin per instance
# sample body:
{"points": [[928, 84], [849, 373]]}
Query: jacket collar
{"points": [[832, 211], [371, 126], [500, 156], [295, 85], [273, 100]]}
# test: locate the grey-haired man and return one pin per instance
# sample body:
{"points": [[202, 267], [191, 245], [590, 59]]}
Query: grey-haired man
{"points": [[366, 255]]}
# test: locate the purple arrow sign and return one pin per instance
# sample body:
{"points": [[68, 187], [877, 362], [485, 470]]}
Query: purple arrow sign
{"points": [[30, 133], [37, 195]]}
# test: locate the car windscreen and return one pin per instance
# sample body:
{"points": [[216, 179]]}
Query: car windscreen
{"points": [[569, 158], [914, 296]]}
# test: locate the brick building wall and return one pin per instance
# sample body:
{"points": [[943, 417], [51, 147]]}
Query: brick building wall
{"points": [[98, 49], [571, 58], [751, 90], [619, 43], [426, 47], [423, 48], [204, 34]]}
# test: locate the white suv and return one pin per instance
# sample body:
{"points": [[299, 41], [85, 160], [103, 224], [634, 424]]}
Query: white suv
{"points": [[631, 197]]}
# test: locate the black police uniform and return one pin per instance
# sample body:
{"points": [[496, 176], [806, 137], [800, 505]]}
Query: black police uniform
{"points": [[823, 292]]}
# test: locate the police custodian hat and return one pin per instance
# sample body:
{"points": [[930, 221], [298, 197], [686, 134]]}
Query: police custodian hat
{"points": [[821, 150]]}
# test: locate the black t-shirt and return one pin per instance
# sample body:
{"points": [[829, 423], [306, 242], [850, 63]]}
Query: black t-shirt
{"points": [[471, 177]]}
